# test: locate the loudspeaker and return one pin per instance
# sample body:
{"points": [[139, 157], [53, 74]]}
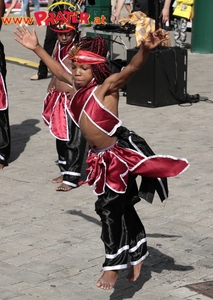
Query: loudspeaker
{"points": [[161, 81]]}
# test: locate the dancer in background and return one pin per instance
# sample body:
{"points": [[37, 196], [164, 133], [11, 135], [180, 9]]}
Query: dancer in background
{"points": [[70, 143]]}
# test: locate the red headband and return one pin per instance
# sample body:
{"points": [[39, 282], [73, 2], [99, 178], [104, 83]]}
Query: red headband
{"points": [[86, 57]]}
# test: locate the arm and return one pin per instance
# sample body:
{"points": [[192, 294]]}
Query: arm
{"points": [[30, 41], [116, 81], [165, 11], [51, 84], [2, 10], [116, 14]]}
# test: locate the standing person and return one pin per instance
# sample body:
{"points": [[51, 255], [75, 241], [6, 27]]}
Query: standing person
{"points": [[182, 14], [70, 144], [4, 116], [116, 155]]}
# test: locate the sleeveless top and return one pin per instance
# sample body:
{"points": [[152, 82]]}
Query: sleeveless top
{"points": [[85, 101]]}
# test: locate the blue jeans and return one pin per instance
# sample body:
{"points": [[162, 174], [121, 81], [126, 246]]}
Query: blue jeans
{"points": [[25, 4]]}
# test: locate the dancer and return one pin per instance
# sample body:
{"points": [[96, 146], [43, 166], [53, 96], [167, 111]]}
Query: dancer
{"points": [[116, 155], [70, 144]]}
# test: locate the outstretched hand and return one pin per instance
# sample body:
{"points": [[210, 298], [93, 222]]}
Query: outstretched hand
{"points": [[26, 38], [155, 38]]}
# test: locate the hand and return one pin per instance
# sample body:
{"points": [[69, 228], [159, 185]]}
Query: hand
{"points": [[114, 18], [155, 38], [165, 15], [50, 88], [26, 38]]}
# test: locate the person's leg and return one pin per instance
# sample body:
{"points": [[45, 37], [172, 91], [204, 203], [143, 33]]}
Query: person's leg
{"points": [[49, 44], [24, 7], [36, 5], [111, 207], [177, 32], [137, 237], [60, 147], [12, 5], [73, 151], [28, 11], [183, 31]]}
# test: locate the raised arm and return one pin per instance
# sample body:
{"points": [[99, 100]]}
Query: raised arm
{"points": [[30, 41], [116, 81]]}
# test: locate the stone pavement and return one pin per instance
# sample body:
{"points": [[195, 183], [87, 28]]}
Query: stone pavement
{"points": [[50, 245]]}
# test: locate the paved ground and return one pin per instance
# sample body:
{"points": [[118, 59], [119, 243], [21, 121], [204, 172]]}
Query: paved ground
{"points": [[50, 245]]}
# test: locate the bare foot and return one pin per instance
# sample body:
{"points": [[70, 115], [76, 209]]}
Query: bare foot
{"points": [[1, 166], [58, 179], [134, 272], [63, 188], [107, 280]]}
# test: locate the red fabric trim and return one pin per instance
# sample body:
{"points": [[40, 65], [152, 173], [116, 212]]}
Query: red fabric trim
{"points": [[112, 167], [3, 94], [54, 114], [84, 101]]}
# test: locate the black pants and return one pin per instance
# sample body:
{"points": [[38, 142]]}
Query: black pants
{"points": [[5, 141], [123, 233], [49, 44], [71, 154]]}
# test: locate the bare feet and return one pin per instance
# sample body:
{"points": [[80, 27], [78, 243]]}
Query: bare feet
{"points": [[58, 179], [107, 280], [134, 272], [1, 166], [63, 188]]}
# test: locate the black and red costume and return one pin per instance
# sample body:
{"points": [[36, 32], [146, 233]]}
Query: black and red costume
{"points": [[70, 143], [5, 141], [113, 171]]}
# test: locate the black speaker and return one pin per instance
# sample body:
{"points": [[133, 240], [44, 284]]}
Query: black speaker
{"points": [[161, 81]]}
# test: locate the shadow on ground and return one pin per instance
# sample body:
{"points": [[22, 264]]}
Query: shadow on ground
{"points": [[20, 136], [155, 262]]}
